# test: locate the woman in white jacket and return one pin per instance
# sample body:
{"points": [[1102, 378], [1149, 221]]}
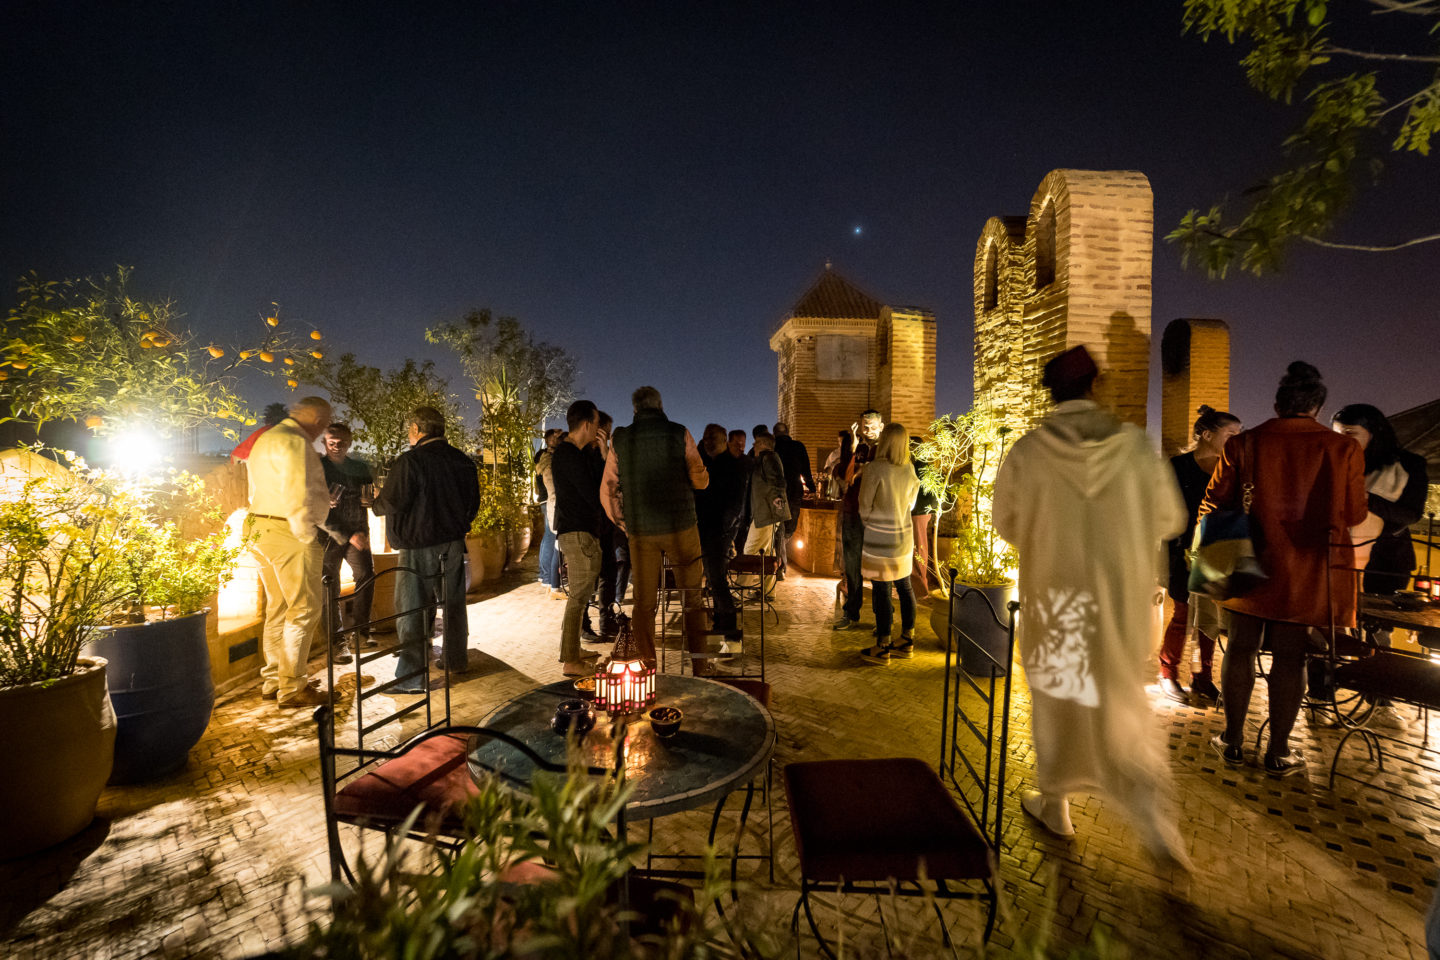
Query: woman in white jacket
{"points": [[887, 492]]}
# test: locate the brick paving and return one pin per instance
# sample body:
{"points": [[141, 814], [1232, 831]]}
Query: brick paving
{"points": [[210, 862]]}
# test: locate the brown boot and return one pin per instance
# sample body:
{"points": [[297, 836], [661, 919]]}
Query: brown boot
{"points": [[304, 698]]}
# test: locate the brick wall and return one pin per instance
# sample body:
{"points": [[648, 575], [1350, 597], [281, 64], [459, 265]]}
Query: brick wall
{"points": [[815, 408], [907, 381], [1194, 369], [1078, 274]]}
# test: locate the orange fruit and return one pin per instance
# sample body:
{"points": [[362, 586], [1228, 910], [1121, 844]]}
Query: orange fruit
{"points": [[289, 362], [314, 334], [246, 354], [267, 356], [293, 383], [4, 375], [273, 321], [93, 422], [317, 354], [216, 351], [19, 364]]}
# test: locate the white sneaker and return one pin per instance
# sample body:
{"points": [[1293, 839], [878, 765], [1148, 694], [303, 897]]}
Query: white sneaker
{"points": [[1054, 815]]}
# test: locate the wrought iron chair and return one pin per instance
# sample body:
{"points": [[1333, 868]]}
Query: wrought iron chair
{"points": [[387, 783], [1400, 677], [931, 824]]}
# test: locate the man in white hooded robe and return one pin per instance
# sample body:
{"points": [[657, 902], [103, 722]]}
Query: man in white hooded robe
{"points": [[1087, 503]]}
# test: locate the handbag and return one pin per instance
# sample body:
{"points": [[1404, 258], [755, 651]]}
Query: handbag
{"points": [[1223, 561]]}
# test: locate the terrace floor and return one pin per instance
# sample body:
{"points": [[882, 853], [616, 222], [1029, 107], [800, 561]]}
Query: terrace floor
{"points": [[211, 862]]}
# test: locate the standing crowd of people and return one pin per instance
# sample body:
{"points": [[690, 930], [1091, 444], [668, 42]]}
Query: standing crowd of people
{"points": [[1083, 498]]}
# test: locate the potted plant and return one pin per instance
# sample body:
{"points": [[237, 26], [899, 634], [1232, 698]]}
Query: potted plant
{"points": [[159, 661], [63, 538], [537, 876], [963, 457], [520, 382], [485, 544]]}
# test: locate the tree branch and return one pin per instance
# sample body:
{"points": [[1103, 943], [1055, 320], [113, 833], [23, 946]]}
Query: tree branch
{"points": [[1422, 7], [1370, 55], [1367, 248]]}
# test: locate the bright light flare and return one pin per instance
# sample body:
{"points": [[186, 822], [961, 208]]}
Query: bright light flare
{"points": [[136, 451]]}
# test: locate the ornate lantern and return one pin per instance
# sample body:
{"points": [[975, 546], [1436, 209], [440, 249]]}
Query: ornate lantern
{"points": [[626, 682]]}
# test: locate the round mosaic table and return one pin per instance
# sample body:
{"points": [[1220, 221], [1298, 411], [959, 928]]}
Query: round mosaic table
{"points": [[725, 738]]}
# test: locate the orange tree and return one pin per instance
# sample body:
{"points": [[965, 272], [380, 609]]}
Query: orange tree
{"points": [[86, 350]]}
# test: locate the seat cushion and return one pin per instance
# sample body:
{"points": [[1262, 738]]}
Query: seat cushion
{"points": [[1412, 679], [758, 689], [432, 774], [872, 820], [754, 563]]}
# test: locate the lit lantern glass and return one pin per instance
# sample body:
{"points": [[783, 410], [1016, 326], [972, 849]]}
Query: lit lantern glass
{"points": [[625, 683]]}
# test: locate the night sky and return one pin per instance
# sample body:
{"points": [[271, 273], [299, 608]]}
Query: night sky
{"points": [[653, 185]]}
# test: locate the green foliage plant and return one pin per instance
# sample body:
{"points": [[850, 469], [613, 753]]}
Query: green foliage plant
{"points": [[63, 540], [88, 351], [83, 547], [377, 403], [495, 506], [1361, 100], [171, 568], [520, 382], [467, 905], [962, 454]]}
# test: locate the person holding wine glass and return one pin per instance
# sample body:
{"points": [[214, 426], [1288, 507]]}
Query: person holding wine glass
{"points": [[352, 490]]}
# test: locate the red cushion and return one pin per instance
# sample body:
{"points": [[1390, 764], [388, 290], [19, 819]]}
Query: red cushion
{"points": [[754, 563], [433, 774], [758, 689], [874, 820]]}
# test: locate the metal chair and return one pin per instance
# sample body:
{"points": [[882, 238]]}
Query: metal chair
{"points": [[377, 802], [1400, 677], [885, 826]]}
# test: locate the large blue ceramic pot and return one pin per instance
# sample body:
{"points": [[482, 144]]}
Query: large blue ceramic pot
{"points": [[160, 687]]}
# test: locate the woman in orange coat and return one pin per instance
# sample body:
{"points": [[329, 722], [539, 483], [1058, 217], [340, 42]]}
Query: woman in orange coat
{"points": [[1309, 489]]}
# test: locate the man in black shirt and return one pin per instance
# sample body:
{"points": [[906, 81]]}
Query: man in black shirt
{"points": [[348, 527], [598, 450], [796, 461], [717, 514], [576, 491], [430, 498]]}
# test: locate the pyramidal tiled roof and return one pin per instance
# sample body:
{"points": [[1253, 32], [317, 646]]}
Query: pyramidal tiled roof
{"points": [[833, 296]]}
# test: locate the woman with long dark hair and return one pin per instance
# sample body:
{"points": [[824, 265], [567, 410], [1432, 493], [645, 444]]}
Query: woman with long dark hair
{"points": [[1304, 488], [1396, 483], [1193, 470]]}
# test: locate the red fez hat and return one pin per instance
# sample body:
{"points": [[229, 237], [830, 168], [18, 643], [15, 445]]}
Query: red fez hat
{"points": [[1071, 367]]}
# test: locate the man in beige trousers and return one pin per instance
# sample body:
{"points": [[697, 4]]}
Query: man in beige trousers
{"points": [[289, 501]]}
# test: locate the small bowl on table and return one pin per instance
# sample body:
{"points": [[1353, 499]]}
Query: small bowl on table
{"points": [[665, 721], [577, 715], [585, 688]]}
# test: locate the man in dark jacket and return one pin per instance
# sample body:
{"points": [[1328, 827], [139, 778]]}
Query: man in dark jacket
{"points": [[576, 475], [348, 529], [430, 498], [655, 462], [717, 514], [796, 461]]}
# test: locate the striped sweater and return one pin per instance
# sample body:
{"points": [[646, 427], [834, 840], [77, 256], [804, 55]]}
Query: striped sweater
{"points": [[887, 492]]}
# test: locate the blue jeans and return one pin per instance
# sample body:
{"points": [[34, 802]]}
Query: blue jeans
{"points": [[549, 560], [880, 600], [411, 593], [852, 538]]}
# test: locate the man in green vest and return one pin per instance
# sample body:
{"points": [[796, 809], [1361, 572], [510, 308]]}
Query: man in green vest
{"points": [[655, 465]]}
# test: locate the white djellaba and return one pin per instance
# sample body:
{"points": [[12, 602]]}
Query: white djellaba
{"points": [[1086, 503]]}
